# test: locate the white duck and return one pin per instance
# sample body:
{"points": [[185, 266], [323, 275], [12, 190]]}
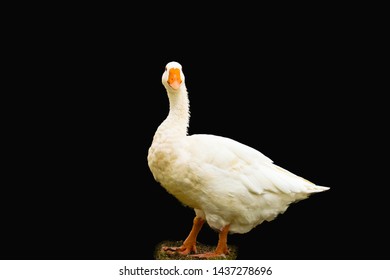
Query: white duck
{"points": [[231, 186]]}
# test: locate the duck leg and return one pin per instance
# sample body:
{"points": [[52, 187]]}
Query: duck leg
{"points": [[189, 245], [221, 249]]}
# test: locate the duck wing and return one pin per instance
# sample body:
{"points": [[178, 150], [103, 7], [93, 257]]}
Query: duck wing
{"points": [[244, 166]]}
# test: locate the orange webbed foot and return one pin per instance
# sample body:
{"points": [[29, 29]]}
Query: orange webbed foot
{"points": [[209, 255], [185, 249]]}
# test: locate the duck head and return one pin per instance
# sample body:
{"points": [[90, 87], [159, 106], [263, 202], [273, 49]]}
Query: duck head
{"points": [[173, 77]]}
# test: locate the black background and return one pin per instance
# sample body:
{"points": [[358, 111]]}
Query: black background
{"points": [[82, 117]]}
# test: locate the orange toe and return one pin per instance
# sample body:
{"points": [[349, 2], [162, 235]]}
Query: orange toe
{"points": [[185, 249], [209, 255]]}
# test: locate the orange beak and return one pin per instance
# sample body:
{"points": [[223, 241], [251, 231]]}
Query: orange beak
{"points": [[174, 79]]}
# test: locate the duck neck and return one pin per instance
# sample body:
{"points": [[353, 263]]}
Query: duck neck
{"points": [[178, 118]]}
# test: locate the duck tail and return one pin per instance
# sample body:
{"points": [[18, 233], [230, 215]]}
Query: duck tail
{"points": [[317, 188]]}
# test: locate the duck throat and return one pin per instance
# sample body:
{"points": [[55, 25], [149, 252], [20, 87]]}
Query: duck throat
{"points": [[178, 118]]}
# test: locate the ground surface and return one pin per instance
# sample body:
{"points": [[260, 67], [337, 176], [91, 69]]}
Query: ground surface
{"points": [[160, 254]]}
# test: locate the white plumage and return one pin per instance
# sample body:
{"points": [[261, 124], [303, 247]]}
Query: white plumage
{"points": [[230, 185]]}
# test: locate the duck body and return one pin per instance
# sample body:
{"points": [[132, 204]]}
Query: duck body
{"points": [[231, 186]]}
